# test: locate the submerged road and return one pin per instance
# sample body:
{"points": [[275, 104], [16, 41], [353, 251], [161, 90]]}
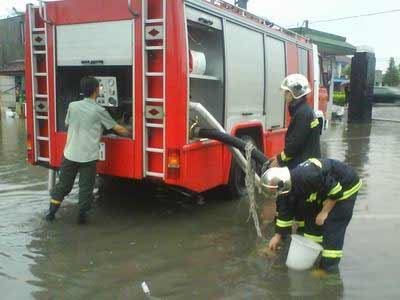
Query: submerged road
{"points": [[187, 249]]}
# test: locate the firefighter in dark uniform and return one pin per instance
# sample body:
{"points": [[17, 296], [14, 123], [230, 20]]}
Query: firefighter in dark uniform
{"points": [[328, 189], [301, 142]]}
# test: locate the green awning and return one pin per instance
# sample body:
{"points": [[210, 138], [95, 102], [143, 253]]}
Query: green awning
{"points": [[328, 44]]}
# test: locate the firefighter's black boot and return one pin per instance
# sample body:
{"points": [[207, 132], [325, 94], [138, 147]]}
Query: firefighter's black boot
{"points": [[51, 214], [330, 265]]}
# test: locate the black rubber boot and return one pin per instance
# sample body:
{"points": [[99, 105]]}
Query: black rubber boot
{"points": [[51, 214], [330, 265], [82, 218]]}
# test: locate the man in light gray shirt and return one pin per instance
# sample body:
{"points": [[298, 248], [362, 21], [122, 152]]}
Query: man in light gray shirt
{"points": [[86, 121]]}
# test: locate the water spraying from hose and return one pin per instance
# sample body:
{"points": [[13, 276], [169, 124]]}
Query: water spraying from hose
{"points": [[251, 188]]}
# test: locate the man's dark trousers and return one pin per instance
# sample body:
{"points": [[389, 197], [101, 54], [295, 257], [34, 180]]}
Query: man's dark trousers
{"points": [[87, 175]]}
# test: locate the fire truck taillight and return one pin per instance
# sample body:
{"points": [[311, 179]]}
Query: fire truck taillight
{"points": [[28, 143], [173, 163], [29, 146]]}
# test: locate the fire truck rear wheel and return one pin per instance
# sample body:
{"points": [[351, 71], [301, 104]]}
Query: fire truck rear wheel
{"points": [[237, 184]]}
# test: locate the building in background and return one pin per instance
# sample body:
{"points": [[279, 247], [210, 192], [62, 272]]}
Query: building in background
{"points": [[12, 67], [334, 51]]}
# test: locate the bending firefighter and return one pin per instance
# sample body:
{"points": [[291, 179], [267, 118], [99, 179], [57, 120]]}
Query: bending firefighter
{"points": [[327, 190], [302, 141], [86, 121]]}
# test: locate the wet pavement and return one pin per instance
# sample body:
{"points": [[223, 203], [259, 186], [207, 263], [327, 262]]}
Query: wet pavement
{"points": [[386, 111], [187, 249]]}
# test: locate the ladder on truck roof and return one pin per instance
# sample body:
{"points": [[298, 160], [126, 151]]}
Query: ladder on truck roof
{"points": [[39, 68], [154, 105]]}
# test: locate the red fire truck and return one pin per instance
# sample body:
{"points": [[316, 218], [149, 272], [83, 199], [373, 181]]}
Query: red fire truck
{"points": [[154, 57]]}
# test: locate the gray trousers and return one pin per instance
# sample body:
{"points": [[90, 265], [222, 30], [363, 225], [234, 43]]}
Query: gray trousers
{"points": [[87, 175]]}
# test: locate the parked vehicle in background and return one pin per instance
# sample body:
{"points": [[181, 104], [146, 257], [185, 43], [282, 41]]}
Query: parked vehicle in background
{"points": [[386, 94]]}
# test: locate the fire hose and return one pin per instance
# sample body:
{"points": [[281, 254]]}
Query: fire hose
{"points": [[236, 145], [233, 141], [204, 114]]}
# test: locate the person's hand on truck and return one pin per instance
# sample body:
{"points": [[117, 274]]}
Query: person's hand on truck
{"points": [[122, 131]]}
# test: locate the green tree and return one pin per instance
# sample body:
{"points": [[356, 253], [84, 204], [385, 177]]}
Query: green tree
{"points": [[392, 75]]}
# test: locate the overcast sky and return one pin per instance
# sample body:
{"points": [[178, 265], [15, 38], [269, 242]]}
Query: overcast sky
{"points": [[379, 32]]}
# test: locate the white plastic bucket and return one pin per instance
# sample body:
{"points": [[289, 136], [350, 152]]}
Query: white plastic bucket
{"points": [[303, 253]]}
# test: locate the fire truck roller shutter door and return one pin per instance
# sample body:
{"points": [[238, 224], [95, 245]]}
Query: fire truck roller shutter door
{"points": [[275, 73], [84, 44], [245, 75]]}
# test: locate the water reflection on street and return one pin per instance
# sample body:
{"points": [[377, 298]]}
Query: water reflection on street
{"points": [[186, 249]]}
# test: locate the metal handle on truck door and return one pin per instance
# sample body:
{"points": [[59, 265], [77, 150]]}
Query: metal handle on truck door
{"points": [[205, 21], [247, 114], [43, 12], [133, 12]]}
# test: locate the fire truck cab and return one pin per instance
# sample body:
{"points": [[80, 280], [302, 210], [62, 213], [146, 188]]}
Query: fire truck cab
{"points": [[152, 58]]}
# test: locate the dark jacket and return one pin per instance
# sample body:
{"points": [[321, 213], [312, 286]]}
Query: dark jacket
{"points": [[326, 178], [302, 137], [314, 181]]}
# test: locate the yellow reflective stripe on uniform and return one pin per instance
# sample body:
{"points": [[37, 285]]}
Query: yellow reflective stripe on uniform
{"points": [[315, 238], [335, 190], [284, 157], [315, 162], [300, 223], [312, 197], [281, 223], [56, 202], [352, 191], [332, 253], [314, 123]]}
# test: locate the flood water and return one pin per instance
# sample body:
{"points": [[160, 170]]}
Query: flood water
{"points": [[184, 248]]}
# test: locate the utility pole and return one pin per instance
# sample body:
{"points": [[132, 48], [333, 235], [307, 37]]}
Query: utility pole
{"points": [[241, 3], [361, 87]]}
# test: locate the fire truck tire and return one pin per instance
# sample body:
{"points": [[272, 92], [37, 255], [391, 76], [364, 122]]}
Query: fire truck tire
{"points": [[237, 185]]}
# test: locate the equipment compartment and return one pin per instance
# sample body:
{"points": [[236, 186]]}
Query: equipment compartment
{"points": [[208, 88], [68, 90]]}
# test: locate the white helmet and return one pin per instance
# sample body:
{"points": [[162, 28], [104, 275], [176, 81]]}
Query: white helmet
{"points": [[276, 181], [297, 85]]}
